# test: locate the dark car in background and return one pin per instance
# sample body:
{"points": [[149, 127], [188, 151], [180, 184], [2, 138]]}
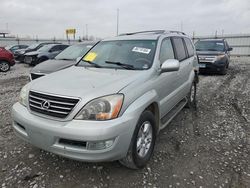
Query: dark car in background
{"points": [[19, 54], [6, 60], [14, 47], [214, 55], [65, 59], [49, 51]]}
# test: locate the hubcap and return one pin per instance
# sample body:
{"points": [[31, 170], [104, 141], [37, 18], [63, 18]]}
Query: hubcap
{"points": [[4, 66], [144, 139]]}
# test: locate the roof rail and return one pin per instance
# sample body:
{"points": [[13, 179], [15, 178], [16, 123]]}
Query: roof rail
{"points": [[178, 32], [153, 32], [140, 32]]}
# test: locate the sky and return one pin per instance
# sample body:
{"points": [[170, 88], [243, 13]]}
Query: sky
{"points": [[50, 18]]}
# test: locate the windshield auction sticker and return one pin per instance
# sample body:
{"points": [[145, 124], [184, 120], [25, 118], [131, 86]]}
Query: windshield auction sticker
{"points": [[90, 56], [141, 50]]}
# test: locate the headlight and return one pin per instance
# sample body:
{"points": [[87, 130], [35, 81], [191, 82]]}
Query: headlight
{"points": [[22, 52], [104, 108], [219, 57], [23, 96]]}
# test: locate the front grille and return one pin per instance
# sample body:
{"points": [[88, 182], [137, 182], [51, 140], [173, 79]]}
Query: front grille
{"points": [[206, 59], [28, 59], [35, 76], [59, 107]]}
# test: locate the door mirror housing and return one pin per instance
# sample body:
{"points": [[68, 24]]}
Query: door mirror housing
{"points": [[170, 65], [230, 49]]}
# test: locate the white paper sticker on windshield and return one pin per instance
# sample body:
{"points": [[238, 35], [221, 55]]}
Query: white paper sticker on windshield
{"points": [[219, 43], [141, 50]]}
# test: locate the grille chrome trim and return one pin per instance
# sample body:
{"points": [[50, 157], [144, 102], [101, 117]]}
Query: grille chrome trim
{"points": [[60, 106], [53, 101]]}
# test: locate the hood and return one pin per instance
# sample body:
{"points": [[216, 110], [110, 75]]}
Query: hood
{"points": [[52, 65], [87, 83], [212, 53], [32, 53]]}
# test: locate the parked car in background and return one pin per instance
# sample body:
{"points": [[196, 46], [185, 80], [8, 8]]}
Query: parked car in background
{"points": [[114, 102], [214, 55], [63, 60], [14, 48], [6, 60], [44, 53], [19, 54]]}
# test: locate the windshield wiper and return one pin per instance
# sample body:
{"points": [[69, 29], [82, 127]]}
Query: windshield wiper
{"points": [[92, 63], [125, 66], [65, 59], [210, 49]]}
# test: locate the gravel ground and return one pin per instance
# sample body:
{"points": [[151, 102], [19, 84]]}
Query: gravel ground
{"points": [[209, 147]]}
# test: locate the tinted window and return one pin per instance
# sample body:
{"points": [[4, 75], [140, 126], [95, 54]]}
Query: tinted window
{"points": [[56, 48], [62, 47], [190, 47], [166, 50], [179, 48]]}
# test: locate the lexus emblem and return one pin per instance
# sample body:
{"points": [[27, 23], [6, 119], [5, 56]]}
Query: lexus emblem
{"points": [[45, 105]]}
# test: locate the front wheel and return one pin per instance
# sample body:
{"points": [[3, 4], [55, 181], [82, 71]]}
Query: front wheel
{"points": [[4, 66], [143, 141]]}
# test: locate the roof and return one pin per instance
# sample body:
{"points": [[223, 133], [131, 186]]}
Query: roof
{"points": [[146, 35], [211, 39]]}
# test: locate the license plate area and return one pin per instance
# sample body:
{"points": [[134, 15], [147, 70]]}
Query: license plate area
{"points": [[202, 65]]}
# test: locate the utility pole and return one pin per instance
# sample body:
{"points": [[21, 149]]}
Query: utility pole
{"points": [[117, 24], [87, 32]]}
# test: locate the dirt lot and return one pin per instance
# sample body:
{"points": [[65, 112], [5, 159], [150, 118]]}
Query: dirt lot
{"points": [[206, 148]]}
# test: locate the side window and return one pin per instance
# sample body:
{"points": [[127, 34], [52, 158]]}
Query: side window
{"points": [[166, 51], [190, 47], [179, 48], [62, 47], [55, 48]]}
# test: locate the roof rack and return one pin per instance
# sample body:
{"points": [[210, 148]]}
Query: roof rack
{"points": [[153, 32]]}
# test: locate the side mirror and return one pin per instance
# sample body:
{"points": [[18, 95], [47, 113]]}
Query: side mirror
{"points": [[78, 59], [230, 49], [170, 65]]}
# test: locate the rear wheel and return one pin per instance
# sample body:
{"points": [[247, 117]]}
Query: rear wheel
{"points": [[143, 141], [4, 66]]}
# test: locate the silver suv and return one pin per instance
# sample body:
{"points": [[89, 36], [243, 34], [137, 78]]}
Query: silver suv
{"points": [[113, 103]]}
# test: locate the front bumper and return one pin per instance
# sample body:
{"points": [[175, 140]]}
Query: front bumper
{"points": [[46, 134], [213, 67]]}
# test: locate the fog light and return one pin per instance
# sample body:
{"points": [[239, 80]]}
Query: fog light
{"points": [[99, 145]]}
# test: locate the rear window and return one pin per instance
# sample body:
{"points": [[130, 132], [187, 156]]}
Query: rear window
{"points": [[179, 49], [190, 47]]}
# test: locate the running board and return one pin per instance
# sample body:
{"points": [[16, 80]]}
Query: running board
{"points": [[172, 113]]}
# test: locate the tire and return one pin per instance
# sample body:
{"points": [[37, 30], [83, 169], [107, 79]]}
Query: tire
{"points": [[224, 70], [4, 66], [192, 102], [137, 158]]}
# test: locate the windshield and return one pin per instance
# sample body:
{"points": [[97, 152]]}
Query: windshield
{"points": [[209, 46], [8, 47], [136, 54], [33, 46], [73, 52], [44, 48]]}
